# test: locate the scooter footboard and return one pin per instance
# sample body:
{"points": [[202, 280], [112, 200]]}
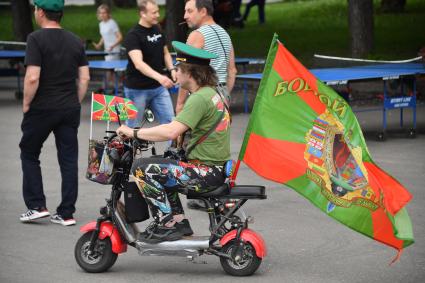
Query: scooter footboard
{"points": [[250, 236], [107, 230]]}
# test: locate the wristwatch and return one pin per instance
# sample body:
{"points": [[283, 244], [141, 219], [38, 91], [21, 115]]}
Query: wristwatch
{"points": [[135, 134]]}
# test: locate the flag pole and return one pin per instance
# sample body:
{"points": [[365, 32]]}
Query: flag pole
{"points": [[91, 117]]}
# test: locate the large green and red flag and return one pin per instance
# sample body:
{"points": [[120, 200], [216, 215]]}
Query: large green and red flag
{"points": [[103, 108], [302, 134]]}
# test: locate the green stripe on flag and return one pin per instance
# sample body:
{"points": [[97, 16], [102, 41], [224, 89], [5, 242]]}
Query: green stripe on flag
{"points": [[356, 217], [284, 117], [403, 227]]}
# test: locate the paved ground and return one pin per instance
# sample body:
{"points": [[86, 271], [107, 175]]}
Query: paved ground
{"points": [[304, 245]]}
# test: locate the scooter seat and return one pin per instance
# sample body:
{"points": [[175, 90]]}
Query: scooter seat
{"points": [[236, 192], [247, 192]]}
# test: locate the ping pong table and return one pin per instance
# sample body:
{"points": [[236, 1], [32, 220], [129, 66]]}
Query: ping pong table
{"points": [[120, 66], [19, 55], [340, 76]]}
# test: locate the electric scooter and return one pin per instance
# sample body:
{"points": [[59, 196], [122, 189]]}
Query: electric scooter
{"points": [[239, 248]]}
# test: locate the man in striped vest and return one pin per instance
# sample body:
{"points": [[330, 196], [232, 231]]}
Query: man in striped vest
{"points": [[212, 38]]}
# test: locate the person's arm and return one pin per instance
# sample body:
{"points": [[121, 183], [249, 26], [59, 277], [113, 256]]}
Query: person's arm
{"points": [[231, 71], [195, 39], [99, 44], [31, 82], [162, 132], [136, 57], [169, 63], [82, 81]]}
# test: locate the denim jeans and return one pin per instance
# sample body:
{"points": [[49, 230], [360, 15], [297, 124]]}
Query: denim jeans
{"points": [[157, 99]]}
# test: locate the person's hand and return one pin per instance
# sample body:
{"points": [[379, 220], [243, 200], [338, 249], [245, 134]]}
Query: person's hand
{"points": [[25, 108], [96, 46], [124, 132], [109, 49], [166, 81]]}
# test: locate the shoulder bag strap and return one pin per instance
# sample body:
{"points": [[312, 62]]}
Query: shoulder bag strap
{"points": [[221, 43]]}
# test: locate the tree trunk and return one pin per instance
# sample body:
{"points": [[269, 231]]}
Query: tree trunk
{"points": [[174, 16], [392, 6], [125, 3], [360, 20], [22, 19], [97, 3]]}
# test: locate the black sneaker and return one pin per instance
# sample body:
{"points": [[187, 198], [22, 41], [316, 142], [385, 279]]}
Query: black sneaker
{"points": [[196, 204], [56, 218], [184, 227], [160, 234]]}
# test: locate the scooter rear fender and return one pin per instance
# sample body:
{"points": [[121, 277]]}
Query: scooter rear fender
{"points": [[250, 236], [107, 230]]}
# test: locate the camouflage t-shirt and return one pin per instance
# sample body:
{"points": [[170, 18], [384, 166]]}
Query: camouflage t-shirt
{"points": [[200, 113]]}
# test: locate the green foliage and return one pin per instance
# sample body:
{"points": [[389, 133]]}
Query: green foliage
{"points": [[306, 27]]}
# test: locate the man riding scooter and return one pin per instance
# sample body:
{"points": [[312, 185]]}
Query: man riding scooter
{"points": [[206, 115]]}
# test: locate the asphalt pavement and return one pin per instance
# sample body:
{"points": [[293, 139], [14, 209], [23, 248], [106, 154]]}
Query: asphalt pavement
{"points": [[304, 245]]}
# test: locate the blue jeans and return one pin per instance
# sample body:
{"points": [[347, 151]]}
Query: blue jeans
{"points": [[157, 99]]}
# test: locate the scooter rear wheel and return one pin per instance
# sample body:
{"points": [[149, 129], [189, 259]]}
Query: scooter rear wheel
{"points": [[246, 265], [102, 258]]}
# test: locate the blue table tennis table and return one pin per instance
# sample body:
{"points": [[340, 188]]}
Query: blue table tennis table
{"points": [[120, 66], [338, 76], [19, 56]]}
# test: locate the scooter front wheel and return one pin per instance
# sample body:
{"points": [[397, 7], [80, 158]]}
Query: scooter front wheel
{"points": [[102, 257], [243, 262]]}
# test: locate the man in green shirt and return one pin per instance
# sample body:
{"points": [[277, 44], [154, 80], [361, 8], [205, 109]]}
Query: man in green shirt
{"points": [[207, 116]]}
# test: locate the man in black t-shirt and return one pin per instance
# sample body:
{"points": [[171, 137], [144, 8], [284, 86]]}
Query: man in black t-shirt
{"points": [[56, 80], [145, 81]]}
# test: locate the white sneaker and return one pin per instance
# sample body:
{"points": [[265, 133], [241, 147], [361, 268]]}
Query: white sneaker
{"points": [[56, 218], [33, 214]]}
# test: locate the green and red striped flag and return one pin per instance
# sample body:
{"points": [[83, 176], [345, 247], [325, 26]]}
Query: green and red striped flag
{"points": [[302, 134], [103, 108]]}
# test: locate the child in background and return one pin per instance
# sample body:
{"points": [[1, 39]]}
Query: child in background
{"points": [[111, 37]]}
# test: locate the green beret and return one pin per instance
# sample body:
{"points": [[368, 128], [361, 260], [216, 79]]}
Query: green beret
{"points": [[192, 55], [50, 5]]}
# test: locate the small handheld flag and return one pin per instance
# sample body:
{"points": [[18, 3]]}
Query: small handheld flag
{"points": [[111, 109], [103, 108]]}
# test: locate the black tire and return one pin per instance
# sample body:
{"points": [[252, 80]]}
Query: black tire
{"points": [[101, 260], [246, 266]]}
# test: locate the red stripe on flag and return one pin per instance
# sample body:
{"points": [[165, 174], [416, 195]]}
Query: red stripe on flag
{"points": [[288, 68], [395, 195], [383, 230], [276, 160]]}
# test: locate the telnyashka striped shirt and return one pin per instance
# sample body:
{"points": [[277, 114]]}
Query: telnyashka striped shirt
{"points": [[213, 34]]}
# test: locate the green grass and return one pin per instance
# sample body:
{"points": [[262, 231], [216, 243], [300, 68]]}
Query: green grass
{"points": [[305, 27]]}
